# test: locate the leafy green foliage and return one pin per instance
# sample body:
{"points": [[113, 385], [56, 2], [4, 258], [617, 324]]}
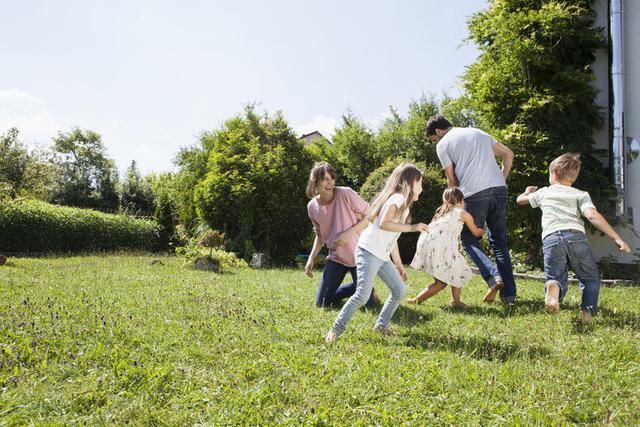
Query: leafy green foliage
{"points": [[253, 190], [531, 87], [135, 193], [36, 226], [89, 178]]}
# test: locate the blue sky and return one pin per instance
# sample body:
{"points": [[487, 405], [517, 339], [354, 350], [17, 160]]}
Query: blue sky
{"points": [[150, 76]]}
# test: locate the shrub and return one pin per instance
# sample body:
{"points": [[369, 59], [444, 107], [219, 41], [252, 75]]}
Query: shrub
{"points": [[433, 183], [193, 252], [35, 226]]}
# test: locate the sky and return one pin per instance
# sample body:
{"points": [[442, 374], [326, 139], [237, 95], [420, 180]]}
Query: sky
{"points": [[151, 76]]}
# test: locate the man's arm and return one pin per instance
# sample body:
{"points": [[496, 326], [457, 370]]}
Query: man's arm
{"points": [[506, 155], [452, 179]]}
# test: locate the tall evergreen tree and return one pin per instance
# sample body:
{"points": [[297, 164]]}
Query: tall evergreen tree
{"points": [[532, 88]]}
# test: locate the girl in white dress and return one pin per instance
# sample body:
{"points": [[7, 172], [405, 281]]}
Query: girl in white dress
{"points": [[438, 251]]}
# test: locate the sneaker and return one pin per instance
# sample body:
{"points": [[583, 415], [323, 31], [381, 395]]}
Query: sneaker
{"points": [[490, 296], [331, 337], [385, 331], [552, 298]]}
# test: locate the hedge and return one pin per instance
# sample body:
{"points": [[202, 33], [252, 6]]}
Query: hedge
{"points": [[36, 226]]}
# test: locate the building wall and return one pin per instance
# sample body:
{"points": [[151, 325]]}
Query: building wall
{"points": [[602, 245]]}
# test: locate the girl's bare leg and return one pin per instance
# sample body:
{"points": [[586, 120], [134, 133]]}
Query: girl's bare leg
{"points": [[428, 292], [455, 298]]}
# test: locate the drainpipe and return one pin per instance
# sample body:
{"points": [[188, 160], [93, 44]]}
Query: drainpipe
{"points": [[617, 83]]}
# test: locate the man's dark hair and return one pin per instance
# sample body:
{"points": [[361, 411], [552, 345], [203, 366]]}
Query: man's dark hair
{"points": [[437, 122]]}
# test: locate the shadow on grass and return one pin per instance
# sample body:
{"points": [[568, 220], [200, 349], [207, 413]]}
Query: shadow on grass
{"points": [[409, 316], [478, 348]]}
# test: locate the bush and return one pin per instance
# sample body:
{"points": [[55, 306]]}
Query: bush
{"points": [[192, 253], [433, 184], [35, 226]]}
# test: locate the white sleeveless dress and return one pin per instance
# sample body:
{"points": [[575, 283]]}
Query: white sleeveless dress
{"points": [[438, 251]]}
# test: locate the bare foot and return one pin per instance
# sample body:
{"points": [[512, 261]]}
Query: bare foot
{"points": [[457, 304], [413, 301], [552, 298], [587, 319], [490, 296]]}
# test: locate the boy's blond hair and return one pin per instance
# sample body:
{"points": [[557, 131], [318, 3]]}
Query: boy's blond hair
{"points": [[566, 166]]}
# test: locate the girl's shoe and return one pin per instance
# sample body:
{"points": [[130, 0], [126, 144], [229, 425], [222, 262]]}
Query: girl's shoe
{"points": [[331, 337], [490, 296]]}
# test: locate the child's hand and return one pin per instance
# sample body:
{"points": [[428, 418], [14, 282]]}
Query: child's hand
{"points": [[421, 226], [341, 239], [531, 189], [359, 215], [623, 246], [403, 272]]}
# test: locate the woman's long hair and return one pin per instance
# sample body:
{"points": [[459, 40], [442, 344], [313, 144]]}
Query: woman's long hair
{"points": [[450, 198], [317, 174], [401, 181]]}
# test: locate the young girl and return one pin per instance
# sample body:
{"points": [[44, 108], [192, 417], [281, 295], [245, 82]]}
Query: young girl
{"points": [[388, 214], [438, 250], [332, 210]]}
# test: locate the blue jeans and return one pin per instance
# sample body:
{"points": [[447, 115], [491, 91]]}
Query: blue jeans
{"points": [[571, 247], [331, 291], [368, 266], [490, 206]]}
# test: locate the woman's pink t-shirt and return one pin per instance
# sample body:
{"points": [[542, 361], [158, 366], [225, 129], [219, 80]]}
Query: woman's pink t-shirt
{"points": [[332, 219]]}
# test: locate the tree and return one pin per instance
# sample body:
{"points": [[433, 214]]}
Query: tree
{"points": [[253, 190], [14, 161], [89, 178], [354, 151], [24, 173], [136, 194], [531, 88]]}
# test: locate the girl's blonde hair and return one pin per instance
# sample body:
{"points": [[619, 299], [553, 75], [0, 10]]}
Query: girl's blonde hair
{"points": [[450, 198], [401, 181], [319, 170]]}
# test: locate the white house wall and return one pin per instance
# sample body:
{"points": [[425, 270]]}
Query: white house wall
{"points": [[602, 245]]}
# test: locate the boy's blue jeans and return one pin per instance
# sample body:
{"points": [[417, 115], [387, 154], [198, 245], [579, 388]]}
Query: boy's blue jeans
{"points": [[571, 247], [331, 291], [490, 206], [368, 266]]}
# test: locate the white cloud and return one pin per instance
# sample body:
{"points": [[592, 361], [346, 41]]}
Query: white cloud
{"points": [[29, 114], [323, 124]]}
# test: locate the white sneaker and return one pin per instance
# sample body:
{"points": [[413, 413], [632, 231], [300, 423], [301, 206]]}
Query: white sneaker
{"points": [[331, 337]]}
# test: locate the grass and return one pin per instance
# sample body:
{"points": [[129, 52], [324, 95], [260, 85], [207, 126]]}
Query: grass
{"points": [[115, 339]]}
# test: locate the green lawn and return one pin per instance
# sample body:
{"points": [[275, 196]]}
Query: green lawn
{"points": [[113, 339]]}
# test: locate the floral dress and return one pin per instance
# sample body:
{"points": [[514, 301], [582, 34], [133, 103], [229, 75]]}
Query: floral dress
{"points": [[438, 251]]}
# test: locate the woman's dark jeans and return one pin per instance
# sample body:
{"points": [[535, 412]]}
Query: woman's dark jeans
{"points": [[331, 291]]}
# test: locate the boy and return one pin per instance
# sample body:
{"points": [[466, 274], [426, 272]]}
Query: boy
{"points": [[563, 235]]}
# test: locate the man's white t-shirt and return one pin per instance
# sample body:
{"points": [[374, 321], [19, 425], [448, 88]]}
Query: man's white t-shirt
{"points": [[470, 152]]}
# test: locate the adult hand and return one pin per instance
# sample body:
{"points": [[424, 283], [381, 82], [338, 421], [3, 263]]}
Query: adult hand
{"points": [[308, 268]]}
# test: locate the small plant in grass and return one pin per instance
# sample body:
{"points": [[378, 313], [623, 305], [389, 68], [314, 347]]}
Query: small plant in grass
{"points": [[195, 253]]}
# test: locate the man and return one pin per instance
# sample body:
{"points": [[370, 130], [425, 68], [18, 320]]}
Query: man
{"points": [[468, 157]]}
